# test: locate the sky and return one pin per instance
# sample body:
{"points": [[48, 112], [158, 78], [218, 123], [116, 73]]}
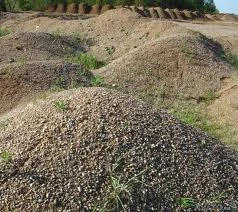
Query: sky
{"points": [[227, 6]]}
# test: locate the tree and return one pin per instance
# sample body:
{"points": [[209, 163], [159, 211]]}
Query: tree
{"points": [[3, 6]]}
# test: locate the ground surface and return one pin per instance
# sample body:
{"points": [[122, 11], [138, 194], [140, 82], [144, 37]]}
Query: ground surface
{"points": [[113, 148]]}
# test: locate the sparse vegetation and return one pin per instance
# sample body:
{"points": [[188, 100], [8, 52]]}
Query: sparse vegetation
{"points": [[232, 59], [97, 81], [58, 84], [110, 50], [119, 189], [87, 60], [187, 203], [185, 49], [60, 105], [197, 117], [3, 125], [4, 31], [5, 156]]}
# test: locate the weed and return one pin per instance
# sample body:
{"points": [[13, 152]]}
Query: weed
{"points": [[208, 97], [88, 60], [77, 36], [119, 189], [231, 58], [110, 50], [60, 105], [23, 59], [4, 32], [97, 81], [57, 33], [185, 49], [3, 125], [58, 84], [6, 156], [187, 203]]}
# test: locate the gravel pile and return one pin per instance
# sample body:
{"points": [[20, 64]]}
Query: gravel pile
{"points": [[19, 82], [179, 64], [103, 145], [27, 46]]}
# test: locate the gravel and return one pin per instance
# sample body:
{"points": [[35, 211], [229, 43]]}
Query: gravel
{"points": [[66, 160]]}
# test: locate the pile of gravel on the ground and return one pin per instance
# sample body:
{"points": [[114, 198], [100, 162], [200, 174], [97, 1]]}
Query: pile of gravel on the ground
{"points": [[183, 66], [69, 157], [19, 81], [27, 46]]}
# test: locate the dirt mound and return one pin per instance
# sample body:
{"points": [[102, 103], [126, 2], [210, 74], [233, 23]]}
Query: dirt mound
{"points": [[61, 8], [137, 10], [179, 14], [101, 141], [51, 8], [106, 8], [170, 67], [224, 110], [84, 8], [171, 13], [230, 17], [21, 81], [153, 13], [72, 8], [23, 47], [161, 13], [189, 15], [95, 9]]}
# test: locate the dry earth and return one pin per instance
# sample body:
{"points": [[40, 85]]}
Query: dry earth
{"points": [[60, 152]]}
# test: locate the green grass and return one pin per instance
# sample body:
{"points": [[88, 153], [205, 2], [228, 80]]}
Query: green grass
{"points": [[185, 49], [60, 105], [5, 156], [187, 203], [4, 125], [119, 188], [87, 60], [97, 81], [4, 32], [231, 58]]}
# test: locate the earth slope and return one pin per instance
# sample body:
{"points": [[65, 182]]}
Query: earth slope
{"points": [[77, 157]]}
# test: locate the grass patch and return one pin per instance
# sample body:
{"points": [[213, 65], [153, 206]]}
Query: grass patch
{"points": [[6, 156], [87, 60], [185, 49], [231, 58], [60, 105], [186, 203], [4, 125], [197, 117], [97, 81], [119, 189], [4, 32]]}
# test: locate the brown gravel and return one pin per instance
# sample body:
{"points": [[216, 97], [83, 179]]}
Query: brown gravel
{"points": [[179, 64], [22, 47], [21, 82], [64, 159]]}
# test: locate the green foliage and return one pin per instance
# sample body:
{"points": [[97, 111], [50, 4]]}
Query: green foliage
{"points": [[231, 58], [5, 156], [4, 32], [97, 81], [199, 5], [87, 60], [187, 203], [3, 125], [60, 105]]}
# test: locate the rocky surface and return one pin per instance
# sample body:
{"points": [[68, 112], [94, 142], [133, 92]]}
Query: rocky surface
{"points": [[103, 145]]}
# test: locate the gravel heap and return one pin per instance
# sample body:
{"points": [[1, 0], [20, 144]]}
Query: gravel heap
{"points": [[179, 64], [102, 145], [21, 81], [27, 46]]}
